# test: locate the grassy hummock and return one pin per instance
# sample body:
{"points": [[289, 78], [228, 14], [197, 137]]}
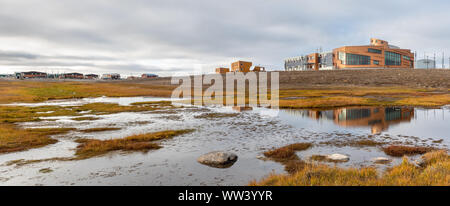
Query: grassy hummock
{"points": [[435, 172]]}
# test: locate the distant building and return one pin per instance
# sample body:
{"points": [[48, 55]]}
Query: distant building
{"points": [[91, 76], [132, 78], [241, 66], [326, 61], [425, 64], [379, 54], [30, 75], [6, 75], [259, 69], [222, 70], [113, 76], [296, 63], [148, 76], [72, 76]]}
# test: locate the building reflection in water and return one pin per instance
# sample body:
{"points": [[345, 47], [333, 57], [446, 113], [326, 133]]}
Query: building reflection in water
{"points": [[377, 118]]}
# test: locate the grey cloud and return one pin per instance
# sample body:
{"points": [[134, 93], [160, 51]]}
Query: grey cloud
{"points": [[136, 36]]}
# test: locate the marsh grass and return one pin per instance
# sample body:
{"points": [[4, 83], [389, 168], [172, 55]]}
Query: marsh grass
{"points": [[36, 91], [14, 139], [89, 148], [436, 172], [85, 118], [287, 152], [142, 142], [100, 129], [399, 150]]}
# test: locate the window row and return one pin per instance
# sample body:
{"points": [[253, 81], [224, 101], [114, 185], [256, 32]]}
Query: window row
{"points": [[392, 59], [355, 59]]}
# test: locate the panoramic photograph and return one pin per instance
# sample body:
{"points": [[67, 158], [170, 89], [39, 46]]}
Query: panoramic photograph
{"points": [[224, 93]]}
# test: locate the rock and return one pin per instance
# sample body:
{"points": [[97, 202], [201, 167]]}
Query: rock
{"points": [[338, 158], [218, 159], [420, 162], [382, 160]]}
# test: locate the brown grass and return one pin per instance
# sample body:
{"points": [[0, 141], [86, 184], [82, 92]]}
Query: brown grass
{"points": [[14, 139], [34, 91], [435, 173], [354, 143], [100, 129], [287, 152], [399, 151], [85, 118], [91, 147]]}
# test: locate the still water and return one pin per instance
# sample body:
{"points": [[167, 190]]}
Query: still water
{"points": [[248, 134]]}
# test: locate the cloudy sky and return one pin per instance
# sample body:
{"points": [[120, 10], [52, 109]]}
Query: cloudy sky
{"points": [[178, 36]]}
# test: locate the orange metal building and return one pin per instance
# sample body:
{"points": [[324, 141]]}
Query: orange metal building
{"points": [[241, 66], [222, 70], [379, 54], [313, 61]]}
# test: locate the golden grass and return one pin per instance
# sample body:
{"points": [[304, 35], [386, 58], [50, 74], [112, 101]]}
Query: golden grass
{"points": [[399, 151], [361, 96], [324, 102], [34, 91], [436, 172], [15, 114], [143, 142], [14, 139], [433, 100]]}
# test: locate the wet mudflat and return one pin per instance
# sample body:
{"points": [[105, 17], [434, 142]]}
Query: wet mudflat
{"points": [[248, 134]]}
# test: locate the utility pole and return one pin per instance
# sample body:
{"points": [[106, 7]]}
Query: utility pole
{"points": [[434, 59], [443, 64]]}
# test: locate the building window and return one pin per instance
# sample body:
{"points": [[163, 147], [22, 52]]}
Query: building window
{"points": [[376, 62], [407, 58], [376, 51], [392, 59], [355, 59]]}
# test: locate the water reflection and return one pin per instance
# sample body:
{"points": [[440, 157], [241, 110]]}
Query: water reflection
{"points": [[377, 118]]}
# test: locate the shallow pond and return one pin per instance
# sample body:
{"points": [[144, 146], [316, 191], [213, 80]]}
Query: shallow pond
{"points": [[248, 134]]}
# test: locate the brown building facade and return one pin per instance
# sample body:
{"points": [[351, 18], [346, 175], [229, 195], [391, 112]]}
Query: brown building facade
{"points": [[241, 66], [72, 76], [31, 75], [378, 54], [222, 70]]}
